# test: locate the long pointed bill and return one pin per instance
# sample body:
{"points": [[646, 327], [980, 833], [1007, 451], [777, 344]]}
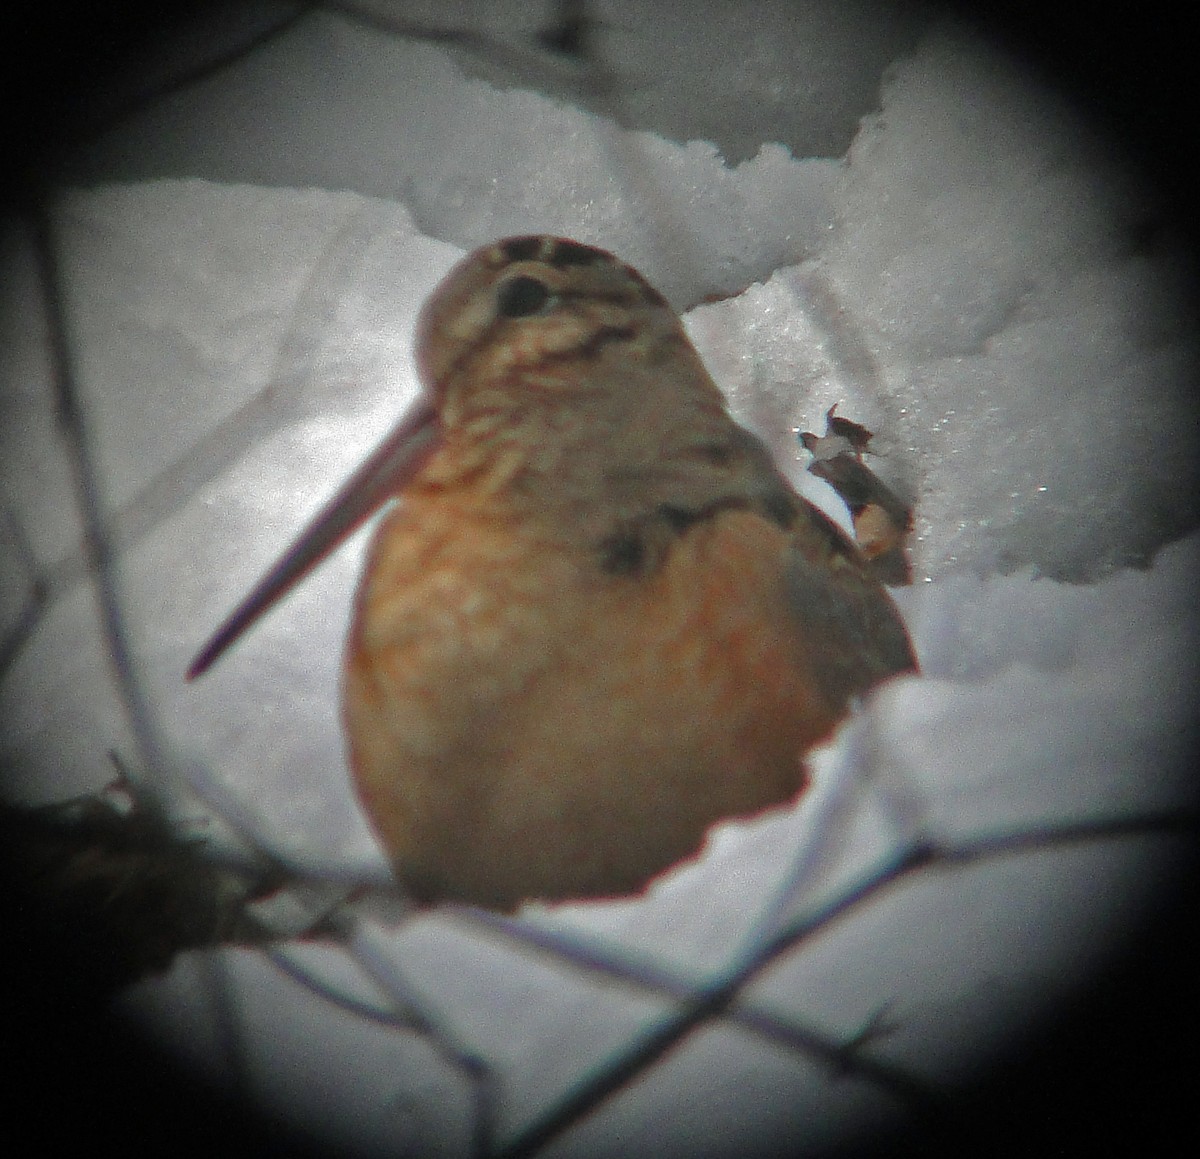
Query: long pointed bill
{"points": [[387, 470]]}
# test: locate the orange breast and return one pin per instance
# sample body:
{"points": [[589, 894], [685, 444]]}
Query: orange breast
{"points": [[524, 725]]}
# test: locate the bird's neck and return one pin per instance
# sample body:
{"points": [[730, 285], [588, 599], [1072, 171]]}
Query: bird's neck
{"points": [[599, 482]]}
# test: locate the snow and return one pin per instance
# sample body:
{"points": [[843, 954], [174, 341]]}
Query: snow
{"points": [[975, 280]]}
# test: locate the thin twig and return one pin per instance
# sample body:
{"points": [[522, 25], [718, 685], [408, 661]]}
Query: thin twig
{"points": [[718, 997], [35, 601], [615, 964], [73, 427], [376, 958]]}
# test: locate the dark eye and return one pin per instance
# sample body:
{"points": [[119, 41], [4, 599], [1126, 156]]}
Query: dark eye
{"points": [[521, 296]]}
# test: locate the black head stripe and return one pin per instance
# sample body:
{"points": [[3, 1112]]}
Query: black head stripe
{"points": [[572, 253], [523, 249]]}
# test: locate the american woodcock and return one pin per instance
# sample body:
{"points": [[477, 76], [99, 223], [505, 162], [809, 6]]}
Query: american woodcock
{"points": [[598, 619]]}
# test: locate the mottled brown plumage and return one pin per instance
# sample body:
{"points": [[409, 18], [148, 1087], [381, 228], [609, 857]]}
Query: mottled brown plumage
{"points": [[599, 619]]}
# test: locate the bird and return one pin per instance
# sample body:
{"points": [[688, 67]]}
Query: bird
{"points": [[595, 618]]}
